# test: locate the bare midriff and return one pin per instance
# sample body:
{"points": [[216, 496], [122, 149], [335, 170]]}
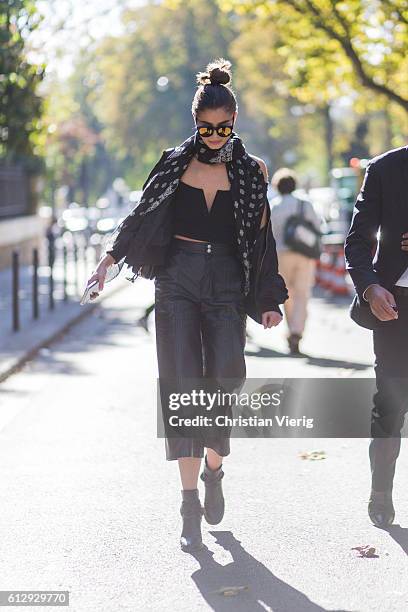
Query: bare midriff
{"points": [[185, 238]]}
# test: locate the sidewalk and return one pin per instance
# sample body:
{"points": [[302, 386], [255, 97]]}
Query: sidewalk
{"points": [[16, 347]]}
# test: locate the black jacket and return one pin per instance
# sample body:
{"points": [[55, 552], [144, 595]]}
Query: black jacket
{"points": [[382, 204], [146, 247]]}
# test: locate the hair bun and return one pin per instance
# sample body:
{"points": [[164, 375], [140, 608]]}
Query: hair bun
{"points": [[217, 72]]}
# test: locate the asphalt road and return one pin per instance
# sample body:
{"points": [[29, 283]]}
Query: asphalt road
{"points": [[89, 504]]}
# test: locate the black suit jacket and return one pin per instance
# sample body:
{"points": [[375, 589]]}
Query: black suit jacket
{"points": [[382, 204]]}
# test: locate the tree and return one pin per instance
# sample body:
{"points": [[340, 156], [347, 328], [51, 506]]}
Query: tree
{"points": [[21, 107], [146, 77], [364, 41], [271, 90]]}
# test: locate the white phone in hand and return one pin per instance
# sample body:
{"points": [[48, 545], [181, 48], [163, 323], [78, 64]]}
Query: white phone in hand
{"points": [[91, 290]]}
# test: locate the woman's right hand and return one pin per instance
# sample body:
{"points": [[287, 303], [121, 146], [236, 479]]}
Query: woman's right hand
{"points": [[100, 271]]}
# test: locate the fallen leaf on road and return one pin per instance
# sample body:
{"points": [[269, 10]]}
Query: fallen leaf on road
{"points": [[314, 455], [231, 591], [366, 551]]}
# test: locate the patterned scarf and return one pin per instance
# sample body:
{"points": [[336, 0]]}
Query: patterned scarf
{"points": [[248, 189]]}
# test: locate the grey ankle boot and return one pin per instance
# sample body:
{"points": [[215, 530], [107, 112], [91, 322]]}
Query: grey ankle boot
{"points": [[214, 504], [381, 509], [192, 513]]}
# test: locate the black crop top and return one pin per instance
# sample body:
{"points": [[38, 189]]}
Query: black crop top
{"points": [[193, 219]]}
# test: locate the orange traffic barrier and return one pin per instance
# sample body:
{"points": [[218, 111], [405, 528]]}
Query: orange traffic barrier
{"points": [[331, 271], [340, 285], [324, 276]]}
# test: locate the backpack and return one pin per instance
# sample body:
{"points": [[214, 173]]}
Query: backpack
{"points": [[301, 236]]}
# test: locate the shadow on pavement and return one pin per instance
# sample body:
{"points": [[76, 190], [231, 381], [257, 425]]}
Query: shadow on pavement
{"points": [[263, 590], [400, 535], [323, 362]]}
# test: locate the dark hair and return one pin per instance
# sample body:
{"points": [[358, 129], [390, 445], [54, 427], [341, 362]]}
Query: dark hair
{"points": [[213, 90], [284, 180]]}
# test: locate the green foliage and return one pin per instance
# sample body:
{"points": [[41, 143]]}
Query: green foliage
{"points": [[160, 42], [330, 48], [21, 127], [76, 154], [318, 81], [317, 69]]}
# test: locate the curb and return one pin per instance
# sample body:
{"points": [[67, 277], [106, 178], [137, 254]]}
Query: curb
{"points": [[32, 352]]}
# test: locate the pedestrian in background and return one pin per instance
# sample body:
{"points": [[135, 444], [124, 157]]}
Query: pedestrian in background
{"points": [[297, 269]]}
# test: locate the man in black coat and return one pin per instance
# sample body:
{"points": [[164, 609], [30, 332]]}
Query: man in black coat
{"points": [[376, 251]]}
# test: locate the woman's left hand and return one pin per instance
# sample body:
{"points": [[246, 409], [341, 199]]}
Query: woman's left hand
{"points": [[271, 319]]}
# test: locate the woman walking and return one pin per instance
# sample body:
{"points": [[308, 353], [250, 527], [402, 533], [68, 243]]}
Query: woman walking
{"points": [[297, 269], [203, 232]]}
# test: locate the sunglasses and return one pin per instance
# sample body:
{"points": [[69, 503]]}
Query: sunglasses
{"points": [[208, 130]]}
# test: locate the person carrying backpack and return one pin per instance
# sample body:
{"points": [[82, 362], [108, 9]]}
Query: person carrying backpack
{"points": [[296, 228]]}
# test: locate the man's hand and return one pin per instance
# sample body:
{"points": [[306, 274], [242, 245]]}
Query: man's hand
{"points": [[404, 242], [271, 319], [381, 303]]}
